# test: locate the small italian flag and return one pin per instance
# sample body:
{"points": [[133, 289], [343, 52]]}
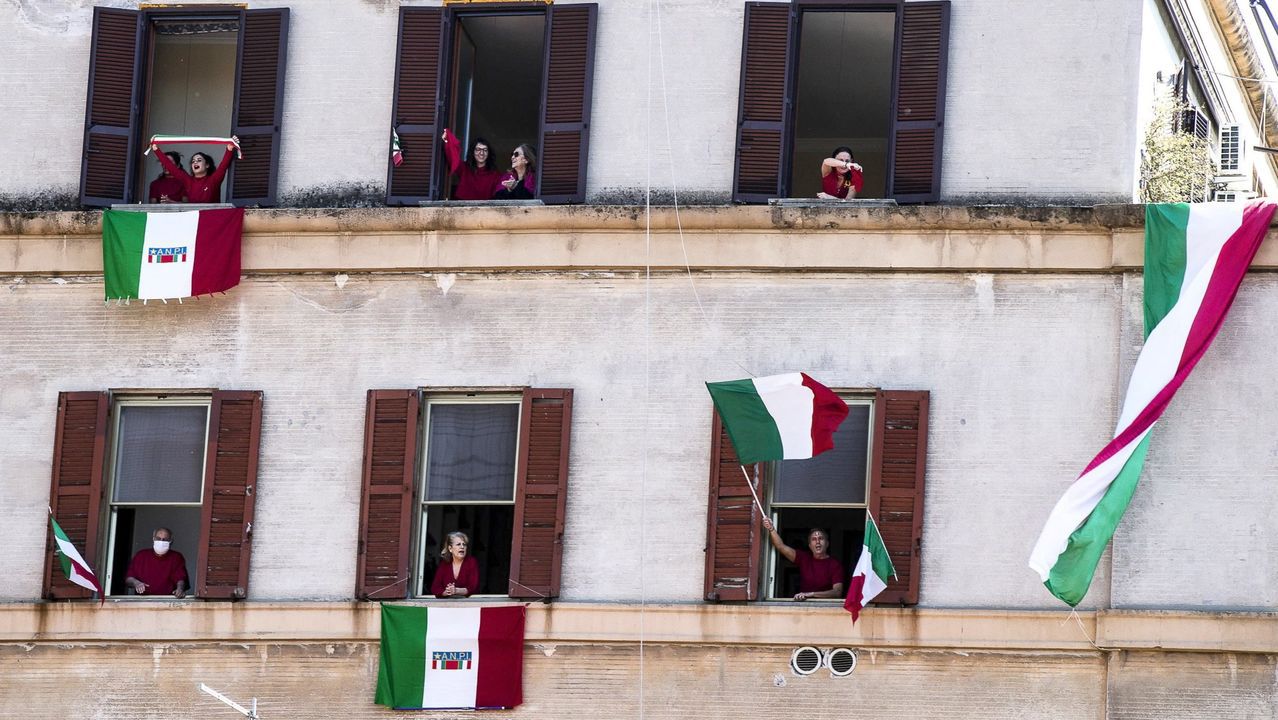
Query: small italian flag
{"points": [[872, 571], [397, 152], [73, 564], [436, 658], [779, 417], [1195, 259], [161, 255]]}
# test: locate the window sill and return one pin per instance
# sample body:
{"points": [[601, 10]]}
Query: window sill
{"points": [[481, 203], [169, 207]]}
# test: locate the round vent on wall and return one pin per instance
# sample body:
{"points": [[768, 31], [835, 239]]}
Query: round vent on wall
{"points": [[841, 661], [805, 660]]}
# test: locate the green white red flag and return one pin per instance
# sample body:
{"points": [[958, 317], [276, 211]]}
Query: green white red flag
{"points": [[397, 151], [73, 564], [456, 658], [779, 417], [872, 571], [163, 255], [1195, 258], [162, 140]]}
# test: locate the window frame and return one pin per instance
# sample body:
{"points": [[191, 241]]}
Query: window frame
{"points": [[109, 504], [771, 564], [429, 397]]}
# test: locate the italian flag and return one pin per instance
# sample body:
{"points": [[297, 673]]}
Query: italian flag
{"points": [[73, 564], [1195, 259], [872, 571], [161, 255], [779, 417], [397, 151], [162, 140], [454, 658]]}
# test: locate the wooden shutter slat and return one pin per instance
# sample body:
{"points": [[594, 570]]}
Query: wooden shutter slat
{"points": [[75, 493], [541, 493], [386, 507], [733, 535], [230, 491], [762, 114], [919, 102], [421, 46], [567, 86], [110, 121], [897, 485], [259, 106]]}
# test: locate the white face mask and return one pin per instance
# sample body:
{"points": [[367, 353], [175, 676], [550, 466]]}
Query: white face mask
{"points": [[161, 546]]}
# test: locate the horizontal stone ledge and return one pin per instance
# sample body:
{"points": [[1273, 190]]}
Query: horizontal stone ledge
{"points": [[753, 624], [806, 217]]}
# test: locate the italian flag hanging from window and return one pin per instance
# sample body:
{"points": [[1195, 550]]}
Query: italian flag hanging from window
{"points": [[73, 564], [870, 577], [166, 255], [436, 658], [779, 417], [1195, 259]]}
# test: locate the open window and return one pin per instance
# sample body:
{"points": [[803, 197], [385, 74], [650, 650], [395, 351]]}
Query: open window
{"points": [[513, 73], [821, 74], [492, 464], [127, 464], [877, 465], [214, 70]]}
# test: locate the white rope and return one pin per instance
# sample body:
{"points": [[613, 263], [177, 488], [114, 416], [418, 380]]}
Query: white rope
{"points": [[674, 183]]}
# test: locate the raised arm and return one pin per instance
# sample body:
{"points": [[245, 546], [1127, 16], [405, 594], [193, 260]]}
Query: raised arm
{"points": [[174, 170], [775, 538], [222, 166], [830, 164], [452, 151]]}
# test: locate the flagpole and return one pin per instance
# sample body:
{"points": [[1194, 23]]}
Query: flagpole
{"points": [[753, 494]]}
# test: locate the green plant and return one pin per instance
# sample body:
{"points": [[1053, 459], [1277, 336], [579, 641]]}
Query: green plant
{"points": [[1175, 166]]}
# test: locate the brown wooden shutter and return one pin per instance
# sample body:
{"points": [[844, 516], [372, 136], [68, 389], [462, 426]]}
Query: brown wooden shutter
{"points": [[230, 489], [763, 112], [918, 111], [75, 496], [541, 493], [423, 42], [111, 114], [569, 70], [259, 106], [733, 526], [386, 509], [896, 486]]}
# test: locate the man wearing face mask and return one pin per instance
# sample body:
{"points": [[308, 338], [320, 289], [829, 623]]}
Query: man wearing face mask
{"points": [[157, 570]]}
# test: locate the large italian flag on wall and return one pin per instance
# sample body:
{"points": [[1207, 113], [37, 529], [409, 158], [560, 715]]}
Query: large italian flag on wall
{"points": [[163, 255], [1195, 259], [439, 658]]}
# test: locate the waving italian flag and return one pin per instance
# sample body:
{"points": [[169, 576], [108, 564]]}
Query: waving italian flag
{"points": [[73, 564], [162, 255], [1195, 259], [779, 417], [870, 577]]}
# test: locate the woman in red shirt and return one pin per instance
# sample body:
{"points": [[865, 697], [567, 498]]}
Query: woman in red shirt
{"points": [[840, 176], [203, 184], [478, 176], [520, 182], [458, 575]]}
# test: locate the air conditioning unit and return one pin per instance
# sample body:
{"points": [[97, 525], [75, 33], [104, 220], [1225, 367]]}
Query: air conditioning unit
{"points": [[1230, 196], [1193, 122], [1232, 161]]}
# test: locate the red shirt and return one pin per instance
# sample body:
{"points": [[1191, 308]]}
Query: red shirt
{"points": [[207, 189], [478, 183], [817, 575], [160, 573], [167, 185], [468, 577], [837, 184]]}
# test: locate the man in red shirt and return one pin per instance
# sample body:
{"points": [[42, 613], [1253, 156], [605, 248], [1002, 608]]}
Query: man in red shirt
{"points": [[157, 570], [820, 575]]}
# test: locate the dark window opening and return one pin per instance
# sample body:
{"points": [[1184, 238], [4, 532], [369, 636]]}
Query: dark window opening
{"points": [[157, 480], [497, 82], [830, 492], [843, 96], [190, 88], [468, 484]]}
